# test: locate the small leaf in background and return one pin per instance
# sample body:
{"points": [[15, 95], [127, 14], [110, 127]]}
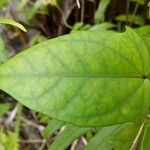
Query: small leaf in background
{"points": [[67, 86], [140, 2], [8, 141], [100, 13], [145, 139], [77, 26], [99, 141], [53, 126], [52, 2], [37, 39], [42, 117], [3, 52], [4, 108], [125, 134], [38, 7], [12, 22], [66, 137], [136, 19], [4, 3], [113, 137], [22, 4], [85, 27], [103, 26]]}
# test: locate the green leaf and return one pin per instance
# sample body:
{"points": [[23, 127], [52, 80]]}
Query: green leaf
{"points": [[37, 7], [12, 22], [3, 53], [89, 78], [136, 19], [4, 108], [145, 141], [140, 2], [8, 141], [144, 32], [67, 137], [77, 26], [100, 13], [112, 137], [53, 126], [103, 26], [22, 4], [4, 3]]}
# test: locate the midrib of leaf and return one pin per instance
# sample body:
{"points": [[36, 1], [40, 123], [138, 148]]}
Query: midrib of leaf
{"points": [[71, 75], [63, 75]]}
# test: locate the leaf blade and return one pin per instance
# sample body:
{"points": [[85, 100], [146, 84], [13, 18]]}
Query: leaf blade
{"points": [[67, 136], [80, 78], [12, 22], [112, 137]]}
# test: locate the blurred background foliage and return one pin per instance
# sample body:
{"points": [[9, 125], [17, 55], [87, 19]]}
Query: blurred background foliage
{"points": [[24, 129]]}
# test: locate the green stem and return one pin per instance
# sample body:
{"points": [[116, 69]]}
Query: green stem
{"points": [[18, 120], [134, 12], [63, 17], [127, 11], [119, 26]]}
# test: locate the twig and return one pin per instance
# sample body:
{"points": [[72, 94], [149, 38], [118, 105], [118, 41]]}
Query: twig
{"points": [[12, 115], [63, 18], [42, 145], [74, 144], [135, 142], [34, 116], [78, 4], [84, 140], [32, 141], [27, 122], [37, 141]]}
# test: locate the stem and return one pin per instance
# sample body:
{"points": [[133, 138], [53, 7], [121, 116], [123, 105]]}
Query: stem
{"points": [[127, 10], [63, 17], [119, 26], [136, 140], [134, 12], [82, 11], [78, 3], [18, 120]]}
